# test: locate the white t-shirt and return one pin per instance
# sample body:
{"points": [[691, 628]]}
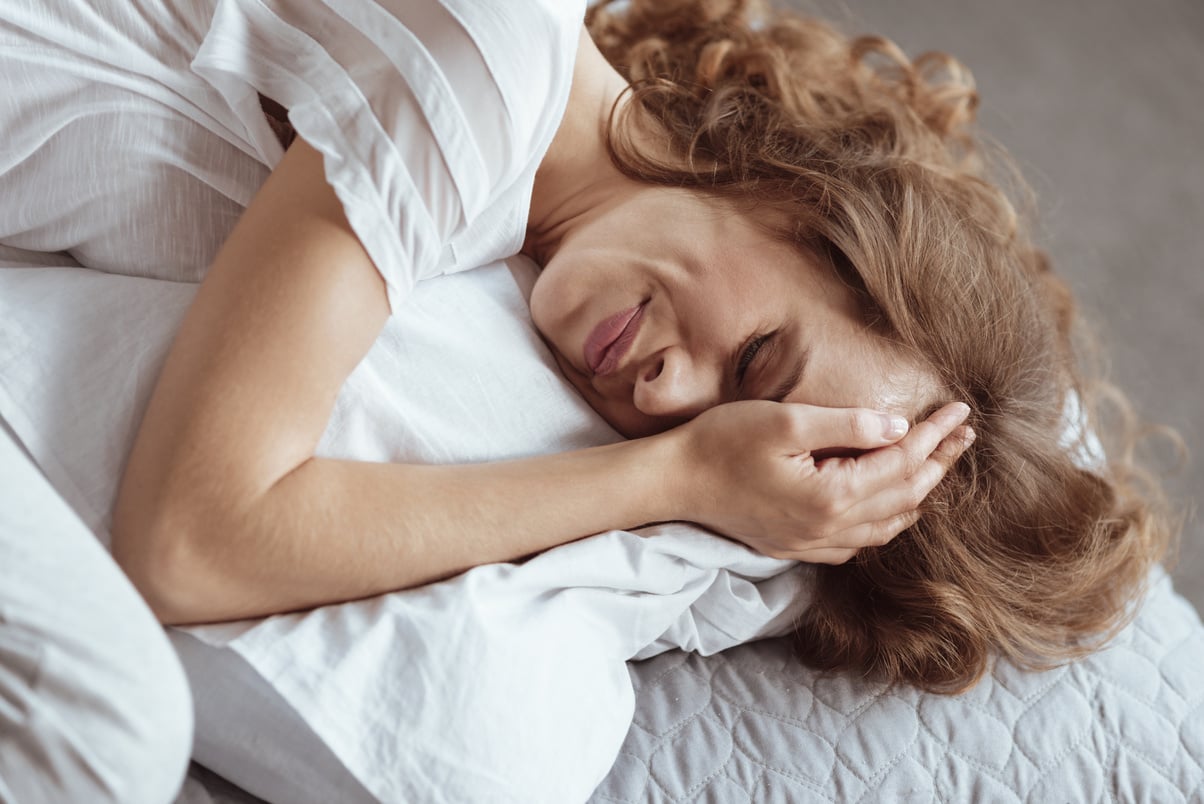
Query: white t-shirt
{"points": [[432, 116]]}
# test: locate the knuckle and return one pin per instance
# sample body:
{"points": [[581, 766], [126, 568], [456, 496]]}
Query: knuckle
{"points": [[819, 536], [950, 444], [947, 452], [790, 425], [930, 476], [943, 458], [839, 495], [835, 504], [913, 462], [860, 427], [885, 534], [900, 458]]}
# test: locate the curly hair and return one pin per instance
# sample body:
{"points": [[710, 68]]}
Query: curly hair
{"points": [[1024, 550]]}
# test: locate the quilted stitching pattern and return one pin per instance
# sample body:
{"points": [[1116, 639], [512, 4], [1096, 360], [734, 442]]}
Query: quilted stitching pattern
{"points": [[750, 724]]}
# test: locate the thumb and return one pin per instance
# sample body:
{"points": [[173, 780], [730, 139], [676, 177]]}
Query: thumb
{"points": [[851, 428]]}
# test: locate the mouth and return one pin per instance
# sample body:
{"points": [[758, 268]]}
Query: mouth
{"points": [[611, 339]]}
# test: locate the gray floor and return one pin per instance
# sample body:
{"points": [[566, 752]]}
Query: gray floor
{"points": [[1102, 104]]}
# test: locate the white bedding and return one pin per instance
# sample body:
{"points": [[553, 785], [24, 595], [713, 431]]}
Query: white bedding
{"points": [[475, 688], [510, 682], [749, 725]]}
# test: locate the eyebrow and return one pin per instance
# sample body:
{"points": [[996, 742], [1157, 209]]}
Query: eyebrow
{"points": [[791, 382]]}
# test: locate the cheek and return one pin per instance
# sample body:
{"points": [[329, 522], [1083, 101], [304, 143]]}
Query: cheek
{"points": [[626, 419], [549, 301], [617, 411]]}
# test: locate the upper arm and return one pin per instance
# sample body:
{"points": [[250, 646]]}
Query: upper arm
{"points": [[288, 309]]}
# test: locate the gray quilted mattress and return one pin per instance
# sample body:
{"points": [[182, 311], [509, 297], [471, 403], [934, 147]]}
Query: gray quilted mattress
{"points": [[750, 725], [1126, 724]]}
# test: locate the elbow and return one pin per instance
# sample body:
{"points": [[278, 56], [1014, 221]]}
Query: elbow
{"points": [[155, 549]]}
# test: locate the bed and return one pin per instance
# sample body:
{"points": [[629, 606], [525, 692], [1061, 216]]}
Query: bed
{"points": [[628, 667], [747, 725]]}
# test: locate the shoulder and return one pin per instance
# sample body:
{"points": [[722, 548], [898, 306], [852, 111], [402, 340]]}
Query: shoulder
{"points": [[531, 28], [528, 48]]}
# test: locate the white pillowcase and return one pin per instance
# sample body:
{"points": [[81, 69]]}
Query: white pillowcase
{"points": [[460, 376]]}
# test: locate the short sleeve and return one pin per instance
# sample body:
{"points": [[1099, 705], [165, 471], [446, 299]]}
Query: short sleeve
{"points": [[426, 111]]}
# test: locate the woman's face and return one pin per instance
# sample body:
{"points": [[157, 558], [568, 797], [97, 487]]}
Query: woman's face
{"points": [[668, 303]]}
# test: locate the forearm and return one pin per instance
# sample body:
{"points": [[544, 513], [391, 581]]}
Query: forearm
{"points": [[333, 530], [224, 512]]}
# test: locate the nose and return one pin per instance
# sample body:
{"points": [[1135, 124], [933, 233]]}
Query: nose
{"points": [[673, 383]]}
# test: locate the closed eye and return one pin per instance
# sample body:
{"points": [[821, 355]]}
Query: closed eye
{"points": [[749, 354], [767, 351]]}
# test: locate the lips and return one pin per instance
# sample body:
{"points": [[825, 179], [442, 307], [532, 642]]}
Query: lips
{"points": [[611, 339]]}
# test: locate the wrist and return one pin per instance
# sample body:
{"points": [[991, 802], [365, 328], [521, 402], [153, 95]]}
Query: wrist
{"points": [[667, 483]]}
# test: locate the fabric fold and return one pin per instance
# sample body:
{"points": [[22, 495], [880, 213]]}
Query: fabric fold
{"points": [[431, 120]]}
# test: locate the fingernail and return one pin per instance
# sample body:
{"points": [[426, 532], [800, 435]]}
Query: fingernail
{"points": [[968, 438], [961, 410], [894, 427]]}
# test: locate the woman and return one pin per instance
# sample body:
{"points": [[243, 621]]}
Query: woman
{"points": [[223, 466], [764, 219], [1035, 544], [821, 232]]}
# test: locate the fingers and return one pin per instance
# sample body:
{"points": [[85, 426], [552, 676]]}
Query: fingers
{"points": [[819, 428], [876, 534], [885, 467], [908, 493], [884, 515], [827, 555], [844, 504], [872, 534], [952, 447], [927, 436]]}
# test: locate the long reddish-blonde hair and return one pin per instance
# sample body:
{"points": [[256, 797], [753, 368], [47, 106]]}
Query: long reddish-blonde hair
{"points": [[1023, 550]]}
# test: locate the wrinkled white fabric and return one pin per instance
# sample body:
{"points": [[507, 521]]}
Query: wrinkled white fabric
{"points": [[137, 123], [432, 116], [93, 704], [133, 139], [507, 683]]}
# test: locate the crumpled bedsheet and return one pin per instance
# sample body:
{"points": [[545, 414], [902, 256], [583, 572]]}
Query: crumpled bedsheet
{"points": [[750, 725]]}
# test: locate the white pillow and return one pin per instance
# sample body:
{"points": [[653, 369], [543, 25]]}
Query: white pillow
{"points": [[79, 354], [460, 376]]}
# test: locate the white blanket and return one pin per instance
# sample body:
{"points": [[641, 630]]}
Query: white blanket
{"points": [[507, 683]]}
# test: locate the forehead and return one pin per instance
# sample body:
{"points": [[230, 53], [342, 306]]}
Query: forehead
{"points": [[848, 364], [852, 366]]}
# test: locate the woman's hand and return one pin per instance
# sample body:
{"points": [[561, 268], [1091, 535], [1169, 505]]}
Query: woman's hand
{"points": [[757, 474]]}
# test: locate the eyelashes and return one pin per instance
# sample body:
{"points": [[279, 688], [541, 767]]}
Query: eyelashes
{"points": [[750, 353]]}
